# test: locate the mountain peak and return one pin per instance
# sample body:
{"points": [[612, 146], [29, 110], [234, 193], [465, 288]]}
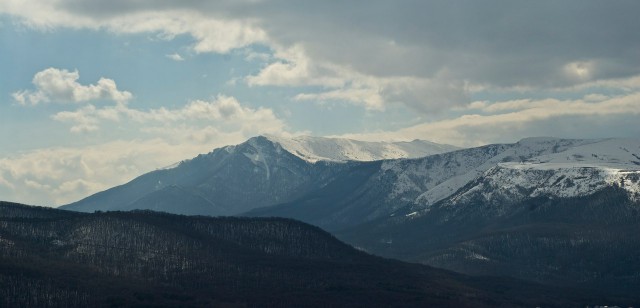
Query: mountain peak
{"points": [[540, 139], [313, 149]]}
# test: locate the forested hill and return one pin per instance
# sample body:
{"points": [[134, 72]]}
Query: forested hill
{"points": [[58, 258]]}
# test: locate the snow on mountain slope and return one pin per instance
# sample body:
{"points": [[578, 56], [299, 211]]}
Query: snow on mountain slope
{"points": [[578, 171], [513, 182], [613, 153], [260, 172], [428, 180], [313, 149], [230, 180], [525, 149], [549, 210]]}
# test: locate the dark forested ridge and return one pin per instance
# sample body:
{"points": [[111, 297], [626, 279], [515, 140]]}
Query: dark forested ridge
{"points": [[58, 258], [587, 241]]}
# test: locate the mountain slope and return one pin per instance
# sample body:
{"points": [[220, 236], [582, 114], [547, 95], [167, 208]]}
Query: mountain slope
{"points": [[315, 149], [565, 218], [588, 241], [226, 181], [412, 184], [58, 258], [556, 211], [259, 172], [504, 209]]}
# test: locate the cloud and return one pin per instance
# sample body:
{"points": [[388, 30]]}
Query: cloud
{"points": [[175, 57], [212, 32], [448, 48], [251, 55], [60, 175], [224, 112], [508, 121], [55, 176], [293, 68], [162, 137], [55, 85]]}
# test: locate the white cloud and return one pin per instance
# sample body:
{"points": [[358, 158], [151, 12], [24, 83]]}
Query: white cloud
{"points": [[426, 55], [212, 33], [251, 55], [293, 67], [60, 175], [175, 57], [6, 184], [163, 136], [84, 119], [510, 119], [595, 97], [223, 112], [55, 85], [223, 36], [363, 54], [371, 98], [57, 176], [625, 84], [579, 70]]}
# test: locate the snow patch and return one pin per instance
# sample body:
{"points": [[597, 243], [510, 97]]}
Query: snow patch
{"points": [[520, 181], [258, 158], [532, 167], [313, 149]]}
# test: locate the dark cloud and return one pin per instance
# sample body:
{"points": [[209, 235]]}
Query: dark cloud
{"points": [[505, 43], [497, 43]]}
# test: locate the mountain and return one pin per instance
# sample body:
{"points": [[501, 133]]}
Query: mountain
{"points": [[259, 172], [59, 259], [555, 211], [315, 149], [585, 241], [413, 185]]}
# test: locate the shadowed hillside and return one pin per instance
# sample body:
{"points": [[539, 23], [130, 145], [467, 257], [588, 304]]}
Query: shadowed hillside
{"points": [[58, 258]]}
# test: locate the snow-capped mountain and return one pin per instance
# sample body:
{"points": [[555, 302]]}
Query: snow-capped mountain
{"points": [[449, 173], [548, 210], [259, 172], [313, 149], [544, 209], [571, 169], [414, 185], [226, 181]]}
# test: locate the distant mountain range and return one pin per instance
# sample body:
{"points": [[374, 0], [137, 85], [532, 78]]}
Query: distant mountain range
{"points": [[54, 258], [556, 211], [560, 212], [259, 172]]}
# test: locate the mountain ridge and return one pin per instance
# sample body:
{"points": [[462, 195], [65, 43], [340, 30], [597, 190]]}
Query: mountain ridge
{"points": [[464, 210], [572, 203], [313, 149], [238, 178], [418, 183], [142, 258]]}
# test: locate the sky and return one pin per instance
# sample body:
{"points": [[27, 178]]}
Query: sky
{"points": [[94, 93]]}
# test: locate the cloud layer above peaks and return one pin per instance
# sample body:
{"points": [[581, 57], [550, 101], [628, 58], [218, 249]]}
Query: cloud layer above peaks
{"points": [[428, 55]]}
